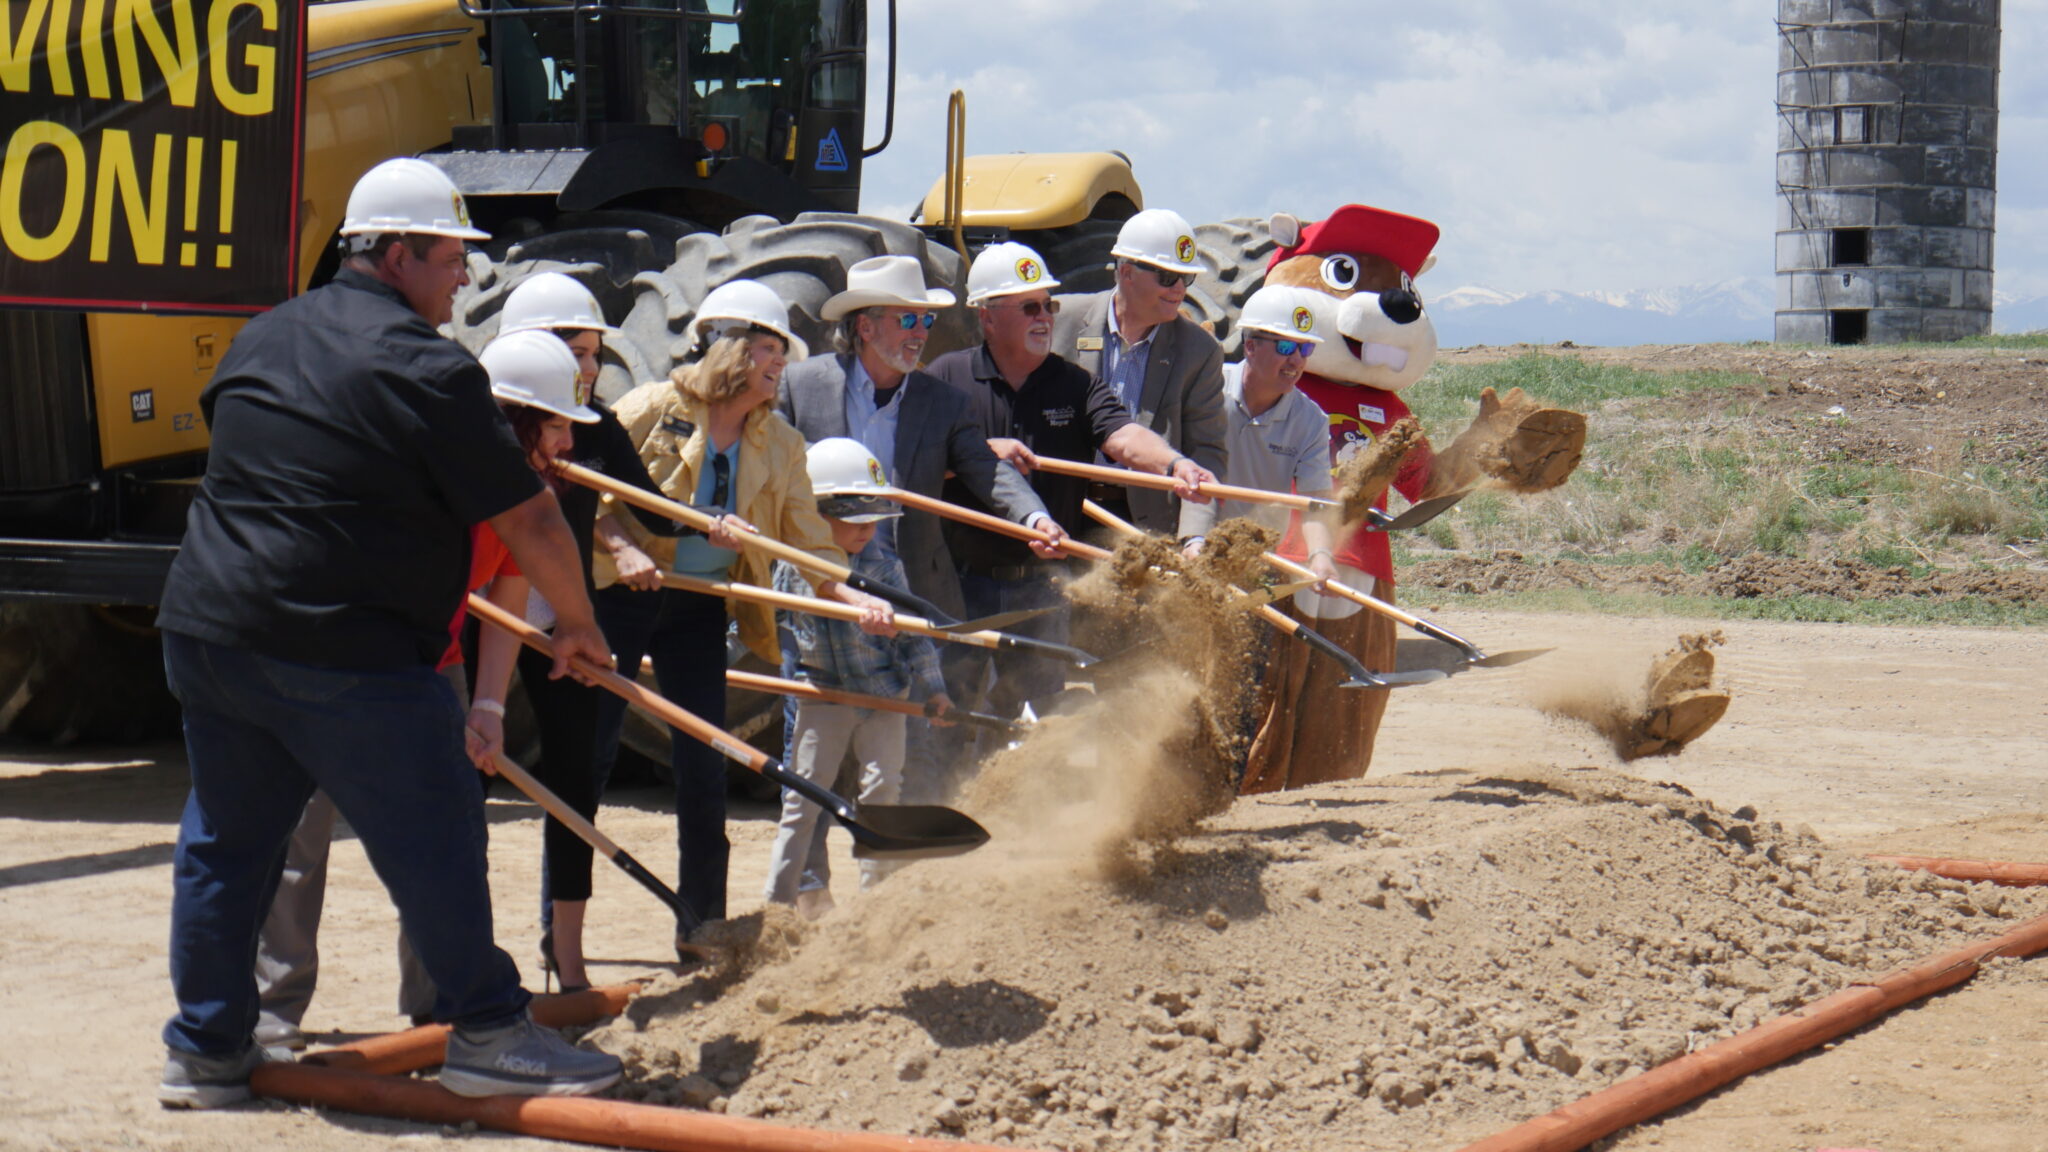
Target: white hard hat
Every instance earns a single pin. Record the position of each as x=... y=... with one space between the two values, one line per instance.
x=746 y=304
x=1006 y=269
x=1159 y=238
x=1285 y=311
x=848 y=481
x=409 y=196
x=535 y=370
x=551 y=300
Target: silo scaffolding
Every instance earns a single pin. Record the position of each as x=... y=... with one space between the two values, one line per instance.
x=1887 y=169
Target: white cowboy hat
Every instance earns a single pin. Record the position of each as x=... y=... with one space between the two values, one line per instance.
x=884 y=282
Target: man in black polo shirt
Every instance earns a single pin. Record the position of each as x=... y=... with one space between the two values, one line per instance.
x=1028 y=401
x=324 y=558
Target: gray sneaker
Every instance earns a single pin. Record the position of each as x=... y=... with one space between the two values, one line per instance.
x=278 y=1034
x=524 y=1059
x=191 y=1081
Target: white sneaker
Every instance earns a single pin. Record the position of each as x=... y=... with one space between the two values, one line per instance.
x=193 y=1081
x=524 y=1059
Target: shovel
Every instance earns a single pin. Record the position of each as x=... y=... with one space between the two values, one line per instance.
x=1473 y=657
x=807 y=691
x=880 y=831
x=702 y=521
x=996 y=524
x=686 y=917
x=1357 y=675
x=832 y=609
x=1376 y=520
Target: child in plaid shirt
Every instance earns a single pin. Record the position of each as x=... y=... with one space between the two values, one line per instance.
x=838 y=654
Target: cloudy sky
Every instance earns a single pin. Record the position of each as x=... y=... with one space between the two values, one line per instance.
x=1575 y=144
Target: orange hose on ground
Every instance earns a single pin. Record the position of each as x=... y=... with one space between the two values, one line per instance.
x=585 y=1120
x=1996 y=871
x=396 y=1053
x=1667 y=1086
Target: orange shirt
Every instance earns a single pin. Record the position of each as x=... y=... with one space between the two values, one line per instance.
x=488 y=560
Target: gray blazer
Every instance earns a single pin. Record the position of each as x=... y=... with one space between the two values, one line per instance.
x=1182 y=399
x=935 y=435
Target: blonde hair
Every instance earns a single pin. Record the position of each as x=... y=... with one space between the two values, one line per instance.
x=722 y=373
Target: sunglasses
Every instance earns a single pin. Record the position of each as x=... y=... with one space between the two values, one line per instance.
x=1169 y=279
x=1035 y=307
x=1290 y=347
x=909 y=320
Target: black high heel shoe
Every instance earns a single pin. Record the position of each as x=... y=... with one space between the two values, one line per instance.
x=549 y=967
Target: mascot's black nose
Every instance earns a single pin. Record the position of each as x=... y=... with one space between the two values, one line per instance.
x=1401 y=306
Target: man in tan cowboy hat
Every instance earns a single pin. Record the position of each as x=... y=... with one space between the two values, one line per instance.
x=873 y=391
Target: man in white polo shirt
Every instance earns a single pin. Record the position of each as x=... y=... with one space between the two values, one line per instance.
x=1277 y=439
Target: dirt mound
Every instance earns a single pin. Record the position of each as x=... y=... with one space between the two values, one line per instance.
x=1373 y=966
x=1669 y=707
x=1754 y=576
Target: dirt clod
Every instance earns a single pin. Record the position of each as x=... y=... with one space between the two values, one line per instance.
x=1671 y=706
x=1363 y=478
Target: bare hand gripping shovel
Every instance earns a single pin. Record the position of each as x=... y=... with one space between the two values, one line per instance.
x=880 y=831
x=702 y=521
x=1357 y=675
x=1474 y=658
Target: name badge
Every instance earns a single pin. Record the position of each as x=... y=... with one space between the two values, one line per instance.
x=1372 y=415
x=1088 y=344
x=678 y=428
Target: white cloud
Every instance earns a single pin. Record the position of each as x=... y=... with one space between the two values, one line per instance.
x=1585 y=145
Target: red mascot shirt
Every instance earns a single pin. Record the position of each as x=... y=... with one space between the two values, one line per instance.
x=1358 y=416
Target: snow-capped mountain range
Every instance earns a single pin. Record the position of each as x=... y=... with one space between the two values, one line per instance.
x=1728 y=311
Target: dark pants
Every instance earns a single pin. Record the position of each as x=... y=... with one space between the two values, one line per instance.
x=1001 y=681
x=261 y=735
x=685 y=634
x=566 y=714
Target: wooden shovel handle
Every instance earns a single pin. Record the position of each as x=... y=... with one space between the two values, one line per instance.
x=1344 y=591
x=683 y=513
x=670 y=713
x=554 y=805
x=996 y=524
x=1132 y=479
x=799 y=688
x=830 y=609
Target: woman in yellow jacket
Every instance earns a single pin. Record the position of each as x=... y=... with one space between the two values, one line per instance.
x=711 y=438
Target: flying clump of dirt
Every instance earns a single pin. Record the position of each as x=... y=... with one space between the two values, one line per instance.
x=1674 y=704
x=1363 y=479
x=1515 y=443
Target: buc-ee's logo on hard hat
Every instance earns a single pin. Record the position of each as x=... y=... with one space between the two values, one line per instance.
x=1304 y=320
x=461 y=209
x=1027 y=270
x=875 y=473
x=1184 y=249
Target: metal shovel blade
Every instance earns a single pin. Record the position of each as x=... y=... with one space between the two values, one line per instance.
x=913 y=832
x=1392 y=679
x=1506 y=659
x=1071 y=655
x=1416 y=516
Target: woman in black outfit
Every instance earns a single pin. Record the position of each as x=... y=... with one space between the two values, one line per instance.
x=566 y=712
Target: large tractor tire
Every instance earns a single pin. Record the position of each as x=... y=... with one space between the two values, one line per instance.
x=75 y=673
x=1233 y=255
x=1078 y=255
x=651 y=272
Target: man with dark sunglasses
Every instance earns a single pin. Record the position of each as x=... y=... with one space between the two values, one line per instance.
x=1029 y=402
x=1165 y=367
x=921 y=430
x=1279 y=439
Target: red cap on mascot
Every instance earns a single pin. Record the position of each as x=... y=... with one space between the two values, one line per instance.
x=1405 y=240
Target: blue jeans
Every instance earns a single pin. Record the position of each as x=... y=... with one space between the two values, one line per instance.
x=262 y=734
x=685 y=633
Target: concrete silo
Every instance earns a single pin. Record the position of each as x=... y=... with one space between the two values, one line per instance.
x=1887 y=166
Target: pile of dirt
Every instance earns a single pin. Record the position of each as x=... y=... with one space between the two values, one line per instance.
x=1374 y=965
x=1658 y=714
x=1752 y=576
